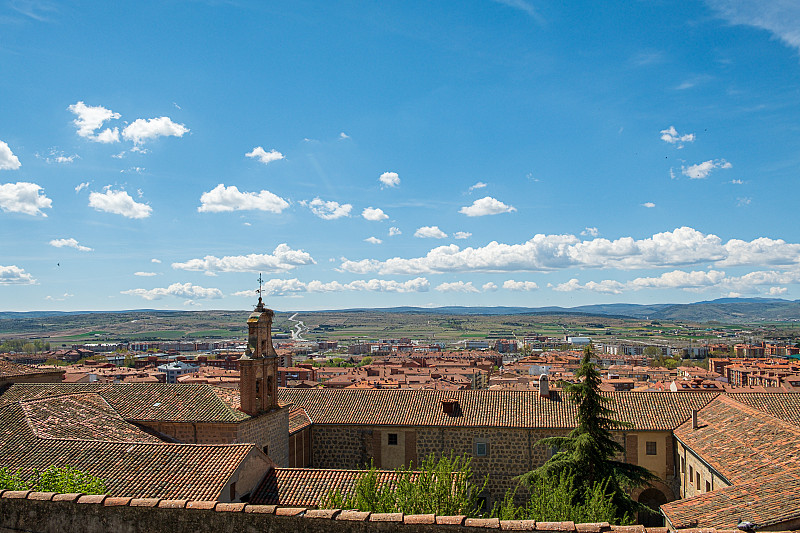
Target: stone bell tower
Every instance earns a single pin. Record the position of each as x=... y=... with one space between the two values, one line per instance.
x=258 y=367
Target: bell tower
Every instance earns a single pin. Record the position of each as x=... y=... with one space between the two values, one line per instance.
x=258 y=367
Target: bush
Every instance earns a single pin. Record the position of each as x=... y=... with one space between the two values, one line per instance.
x=66 y=479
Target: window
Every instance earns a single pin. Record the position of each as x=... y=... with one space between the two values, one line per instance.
x=651 y=448
x=481 y=449
x=691 y=473
x=392 y=439
x=698 y=481
x=708 y=486
x=266 y=449
x=683 y=465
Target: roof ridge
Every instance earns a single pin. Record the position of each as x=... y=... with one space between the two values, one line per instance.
x=758 y=412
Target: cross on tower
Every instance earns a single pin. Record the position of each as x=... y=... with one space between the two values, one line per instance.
x=260 y=283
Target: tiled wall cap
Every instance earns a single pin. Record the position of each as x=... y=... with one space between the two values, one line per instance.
x=16 y=494
x=454 y=520
x=290 y=511
x=660 y=530
x=386 y=517
x=224 y=507
x=145 y=502
x=67 y=497
x=354 y=516
x=172 y=504
x=327 y=514
x=117 y=501
x=491 y=523
x=41 y=496
x=419 y=519
x=92 y=498
x=556 y=526
x=593 y=527
x=628 y=529
x=200 y=504
x=260 y=509
x=518 y=525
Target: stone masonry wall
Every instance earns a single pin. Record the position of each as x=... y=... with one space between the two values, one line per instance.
x=270 y=430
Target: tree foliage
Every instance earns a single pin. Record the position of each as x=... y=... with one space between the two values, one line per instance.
x=587 y=454
x=54 y=479
x=440 y=486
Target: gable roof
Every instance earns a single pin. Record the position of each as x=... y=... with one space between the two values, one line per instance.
x=142 y=401
x=486 y=408
x=783 y=405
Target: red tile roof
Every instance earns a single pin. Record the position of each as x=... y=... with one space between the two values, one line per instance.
x=785 y=406
x=9 y=369
x=298 y=420
x=485 y=408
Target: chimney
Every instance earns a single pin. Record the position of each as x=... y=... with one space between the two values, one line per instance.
x=544 y=386
x=694 y=419
x=449 y=406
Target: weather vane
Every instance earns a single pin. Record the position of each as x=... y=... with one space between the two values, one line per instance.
x=260 y=282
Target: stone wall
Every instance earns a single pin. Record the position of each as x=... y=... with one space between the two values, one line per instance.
x=43 y=512
x=270 y=432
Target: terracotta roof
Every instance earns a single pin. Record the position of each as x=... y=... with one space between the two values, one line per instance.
x=741 y=442
x=766 y=503
x=142 y=401
x=305 y=487
x=9 y=369
x=298 y=420
x=785 y=406
x=485 y=408
x=136 y=469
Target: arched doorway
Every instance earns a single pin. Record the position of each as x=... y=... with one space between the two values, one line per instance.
x=653 y=498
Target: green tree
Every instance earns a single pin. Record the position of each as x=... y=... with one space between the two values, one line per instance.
x=130 y=360
x=54 y=479
x=587 y=452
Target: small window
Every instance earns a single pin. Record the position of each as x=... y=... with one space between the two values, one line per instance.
x=698 y=481
x=683 y=465
x=708 y=486
x=691 y=473
x=651 y=448
x=266 y=449
x=481 y=449
x=392 y=439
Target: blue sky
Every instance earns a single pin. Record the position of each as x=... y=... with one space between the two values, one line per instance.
x=376 y=154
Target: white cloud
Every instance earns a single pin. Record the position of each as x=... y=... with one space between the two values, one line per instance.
x=737 y=182
x=154 y=260
x=343 y=135
x=394 y=231
x=682 y=246
x=457 y=286
x=374 y=214
x=8 y=161
x=81 y=186
x=489 y=287
x=671 y=136
x=511 y=285
x=743 y=201
x=13 y=275
x=780 y=18
x=373 y=240
x=462 y=235
x=145 y=274
x=119 y=203
x=648 y=205
x=280 y=287
x=606 y=286
x=182 y=290
x=91 y=118
x=23 y=197
x=478 y=185
x=141 y=130
x=430 y=232
x=590 y=232
x=221 y=199
x=328 y=210
x=389 y=179
x=702 y=170
x=486 y=206
x=678 y=279
x=69 y=243
x=264 y=156
x=777 y=291
x=282 y=259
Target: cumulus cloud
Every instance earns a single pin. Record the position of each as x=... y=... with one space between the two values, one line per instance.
x=373 y=240
x=374 y=214
x=282 y=287
x=69 y=243
x=486 y=206
x=457 y=286
x=141 y=130
x=511 y=285
x=328 y=210
x=462 y=235
x=154 y=260
x=23 y=197
x=282 y=259
x=91 y=118
x=221 y=199
x=264 y=156
x=682 y=246
x=489 y=287
x=181 y=290
x=671 y=136
x=478 y=185
x=13 y=275
x=8 y=161
x=777 y=291
x=648 y=205
x=430 y=232
x=145 y=274
x=119 y=203
x=394 y=231
x=590 y=232
x=702 y=170
x=343 y=136
x=389 y=179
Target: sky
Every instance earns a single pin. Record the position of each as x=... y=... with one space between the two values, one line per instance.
x=163 y=155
